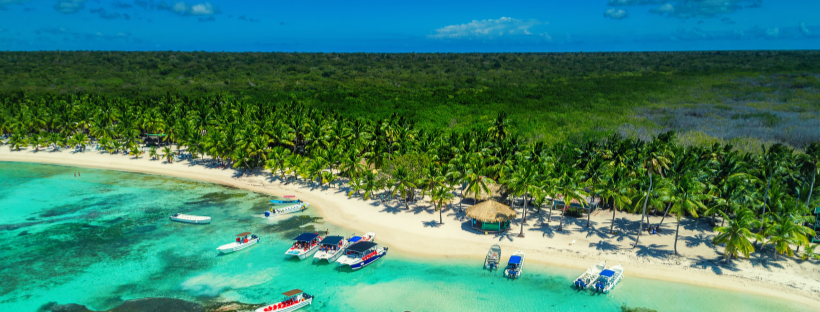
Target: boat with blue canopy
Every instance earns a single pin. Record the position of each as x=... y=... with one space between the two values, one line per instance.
x=608 y=278
x=285 y=201
x=515 y=266
x=361 y=254
x=304 y=245
x=589 y=276
x=331 y=248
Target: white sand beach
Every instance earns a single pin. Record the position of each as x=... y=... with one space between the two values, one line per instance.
x=417 y=233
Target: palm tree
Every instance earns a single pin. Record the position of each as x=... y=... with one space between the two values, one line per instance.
x=37 y=141
x=569 y=185
x=771 y=163
x=738 y=235
x=784 y=233
x=809 y=163
x=168 y=154
x=441 y=196
x=16 y=141
x=655 y=161
x=153 y=152
x=810 y=252
x=688 y=198
x=135 y=151
x=404 y=184
x=617 y=189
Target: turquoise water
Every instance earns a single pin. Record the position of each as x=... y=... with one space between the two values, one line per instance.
x=105 y=237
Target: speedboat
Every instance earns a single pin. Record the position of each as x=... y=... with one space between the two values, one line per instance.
x=493 y=257
x=361 y=254
x=190 y=218
x=304 y=245
x=515 y=266
x=289 y=209
x=294 y=300
x=367 y=237
x=331 y=248
x=590 y=276
x=243 y=240
x=608 y=278
x=286 y=201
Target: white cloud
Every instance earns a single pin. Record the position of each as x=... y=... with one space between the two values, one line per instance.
x=182 y=8
x=614 y=13
x=664 y=9
x=69 y=6
x=488 y=29
x=690 y=8
x=773 y=32
x=805 y=30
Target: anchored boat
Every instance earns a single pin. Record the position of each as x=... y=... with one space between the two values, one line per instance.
x=362 y=254
x=243 y=240
x=190 y=218
x=289 y=209
x=294 y=300
x=286 y=201
x=331 y=248
x=590 y=276
x=304 y=245
x=367 y=237
x=609 y=278
x=493 y=258
x=515 y=266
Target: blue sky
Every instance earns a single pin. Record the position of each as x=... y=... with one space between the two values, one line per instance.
x=407 y=26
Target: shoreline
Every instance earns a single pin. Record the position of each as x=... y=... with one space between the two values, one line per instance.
x=409 y=232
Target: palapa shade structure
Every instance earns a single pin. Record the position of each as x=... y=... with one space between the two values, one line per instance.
x=491 y=216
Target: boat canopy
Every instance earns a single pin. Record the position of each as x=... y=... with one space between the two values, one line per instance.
x=515 y=259
x=361 y=246
x=244 y=234
x=332 y=240
x=292 y=292
x=306 y=237
x=354 y=239
x=287 y=201
x=607 y=273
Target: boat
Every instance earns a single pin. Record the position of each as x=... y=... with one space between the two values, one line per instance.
x=286 y=201
x=294 y=300
x=608 y=278
x=331 y=248
x=590 y=276
x=301 y=206
x=493 y=257
x=190 y=218
x=304 y=245
x=515 y=266
x=367 y=237
x=243 y=240
x=361 y=254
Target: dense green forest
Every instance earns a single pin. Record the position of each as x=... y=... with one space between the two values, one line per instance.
x=539 y=126
x=549 y=96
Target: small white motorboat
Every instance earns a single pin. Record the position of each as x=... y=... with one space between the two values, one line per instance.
x=294 y=300
x=367 y=237
x=304 y=245
x=361 y=254
x=301 y=206
x=608 y=278
x=590 y=276
x=243 y=240
x=190 y=218
x=515 y=266
x=331 y=248
x=493 y=259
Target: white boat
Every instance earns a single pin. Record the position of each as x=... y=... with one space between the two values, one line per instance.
x=515 y=266
x=361 y=254
x=304 y=245
x=608 y=278
x=590 y=276
x=243 y=240
x=331 y=248
x=493 y=259
x=294 y=300
x=289 y=209
x=190 y=218
x=367 y=237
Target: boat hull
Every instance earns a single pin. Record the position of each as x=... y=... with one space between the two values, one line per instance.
x=289 y=308
x=300 y=253
x=325 y=256
x=234 y=247
x=359 y=263
x=205 y=221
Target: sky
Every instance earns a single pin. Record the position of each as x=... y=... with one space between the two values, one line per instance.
x=410 y=26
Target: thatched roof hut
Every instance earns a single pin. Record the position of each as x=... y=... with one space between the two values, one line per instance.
x=491 y=211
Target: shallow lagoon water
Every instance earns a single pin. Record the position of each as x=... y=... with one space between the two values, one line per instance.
x=104 y=237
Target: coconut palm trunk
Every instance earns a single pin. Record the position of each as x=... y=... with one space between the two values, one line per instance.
x=612 y=225
x=676 y=237
x=524 y=218
x=765 y=201
x=645 y=202
x=665 y=213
